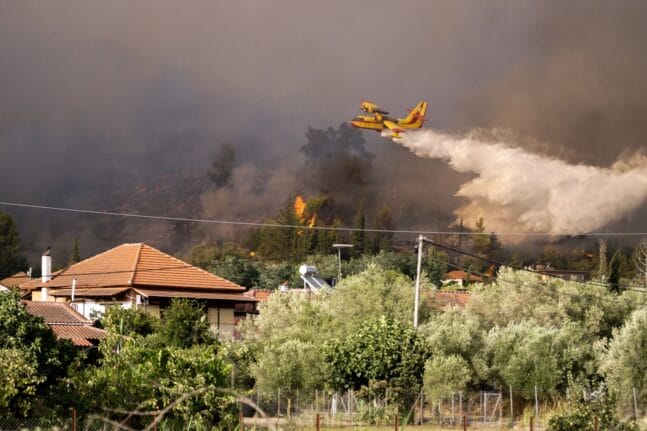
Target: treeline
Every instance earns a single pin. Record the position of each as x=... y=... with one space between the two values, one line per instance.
x=577 y=345
x=145 y=364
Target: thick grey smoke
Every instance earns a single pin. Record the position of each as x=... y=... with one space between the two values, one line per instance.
x=516 y=190
x=123 y=105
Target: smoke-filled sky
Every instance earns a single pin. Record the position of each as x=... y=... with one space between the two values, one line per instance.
x=98 y=97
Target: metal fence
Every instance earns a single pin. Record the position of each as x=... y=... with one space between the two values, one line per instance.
x=485 y=410
x=477 y=410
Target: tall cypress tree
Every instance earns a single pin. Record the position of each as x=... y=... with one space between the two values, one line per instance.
x=75 y=256
x=11 y=261
x=359 y=235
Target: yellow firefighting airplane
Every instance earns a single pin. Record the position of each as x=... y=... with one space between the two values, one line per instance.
x=380 y=119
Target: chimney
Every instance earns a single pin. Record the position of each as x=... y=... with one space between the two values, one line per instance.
x=46 y=266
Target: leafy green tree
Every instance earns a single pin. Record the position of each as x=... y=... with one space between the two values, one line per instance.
x=374 y=292
x=19 y=382
x=184 y=324
x=457 y=333
x=404 y=263
x=288 y=367
x=271 y=275
x=135 y=374
x=239 y=270
x=582 y=414
x=445 y=375
x=380 y=349
x=525 y=356
x=203 y=255
x=287 y=335
x=128 y=321
x=435 y=266
x=11 y=261
x=625 y=361
x=44 y=360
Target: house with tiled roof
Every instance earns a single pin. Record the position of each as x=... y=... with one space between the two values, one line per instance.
x=140 y=276
x=67 y=323
x=442 y=299
x=14 y=281
x=461 y=278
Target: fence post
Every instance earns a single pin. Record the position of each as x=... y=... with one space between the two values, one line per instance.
x=531 y=423
x=396 y=420
x=536 y=406
x=500 y=406
x=511 y=407
x=464 y=422
x=597 y=424
x=278 y=402
x=422 y=407
x=241 y=426
x=73 y=419
x=460 y=403
x=318 y=425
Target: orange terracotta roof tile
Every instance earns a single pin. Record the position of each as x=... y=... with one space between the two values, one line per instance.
x=462 y=275
x=15 y=280
x=443 y=299
x=80 y=335
x=261 y=294
x=135 y=265
x=155 y=268
x=56 y=313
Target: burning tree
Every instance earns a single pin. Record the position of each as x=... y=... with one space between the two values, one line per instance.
x=297 y=234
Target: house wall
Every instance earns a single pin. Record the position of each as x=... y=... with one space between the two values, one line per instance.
x=221 y=320
x=153 y=310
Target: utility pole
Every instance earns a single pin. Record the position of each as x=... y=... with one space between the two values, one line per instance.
x=339 y=247
x=421 y=239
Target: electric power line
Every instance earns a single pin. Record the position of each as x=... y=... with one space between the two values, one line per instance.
x=329 y=228
x=519 y=268
x=541 y=288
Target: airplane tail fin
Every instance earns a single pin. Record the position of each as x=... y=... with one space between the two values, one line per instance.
x=416 y=115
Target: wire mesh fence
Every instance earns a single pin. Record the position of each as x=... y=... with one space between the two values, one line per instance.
x=484 y=410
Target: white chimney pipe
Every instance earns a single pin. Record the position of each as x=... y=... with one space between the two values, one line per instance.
x=46 y=268
x=73 y=289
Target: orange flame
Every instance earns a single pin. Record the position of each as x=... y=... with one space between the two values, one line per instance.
x=299 y=207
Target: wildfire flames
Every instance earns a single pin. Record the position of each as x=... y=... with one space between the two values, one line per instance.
x=299 y=210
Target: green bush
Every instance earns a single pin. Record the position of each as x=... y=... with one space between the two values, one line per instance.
x=583 y=414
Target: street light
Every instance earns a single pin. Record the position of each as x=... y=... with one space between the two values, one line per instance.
x=339 y=247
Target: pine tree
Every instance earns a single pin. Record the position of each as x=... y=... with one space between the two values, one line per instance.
x=359 y=234
x=11 y=261
x=382 y=240
x=75 y=256
x=614 y=273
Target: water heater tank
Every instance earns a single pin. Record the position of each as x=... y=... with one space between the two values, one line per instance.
x=307 y=269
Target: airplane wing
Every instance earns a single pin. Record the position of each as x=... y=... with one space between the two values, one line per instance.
x=371 y=108
x=394 y=128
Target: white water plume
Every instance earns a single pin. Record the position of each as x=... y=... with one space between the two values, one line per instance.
x=518 y=191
